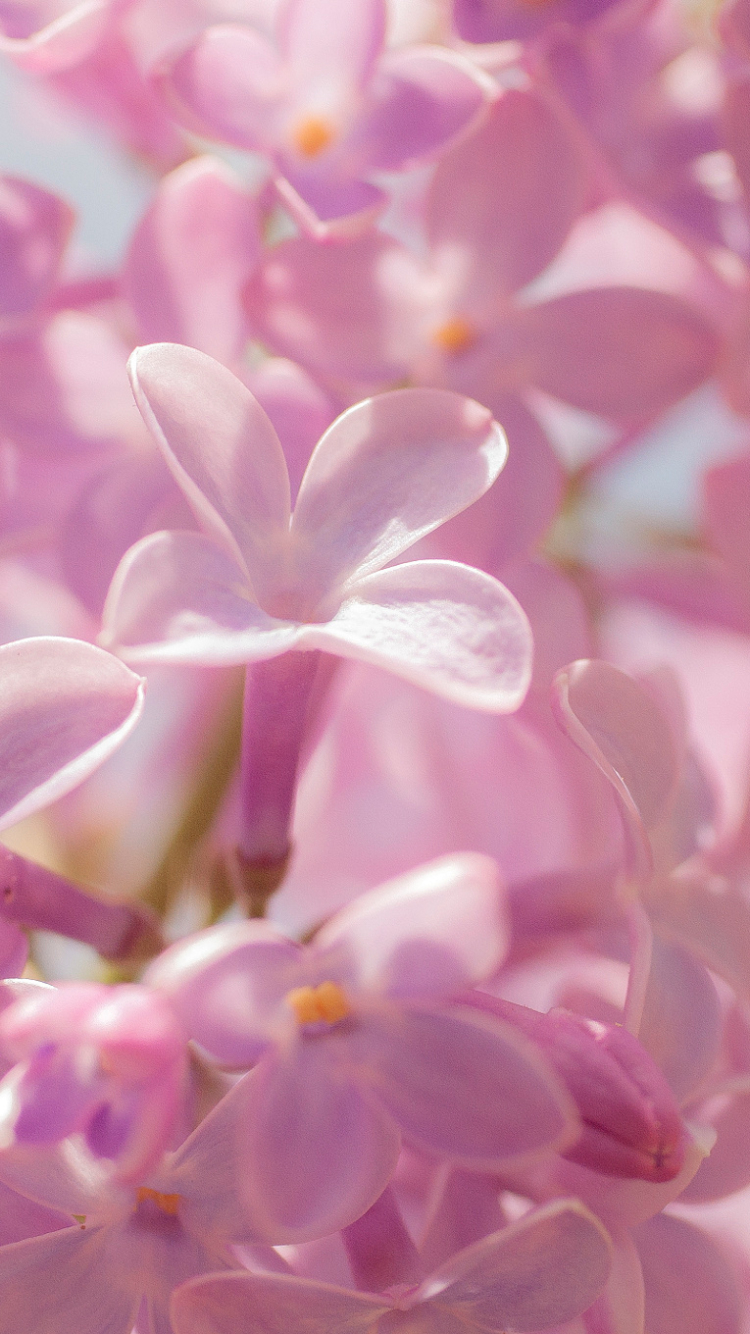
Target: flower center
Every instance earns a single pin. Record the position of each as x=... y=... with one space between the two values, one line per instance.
x=455 y=335
x=311 y=135
x=167 y=1203
x=326 y=1004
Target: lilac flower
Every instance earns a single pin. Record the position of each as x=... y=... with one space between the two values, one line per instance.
x=261 y=582
x=541 y=1271
x=356 y=1036
x=130 y=1244
x=329 y=107
x=107 y=1063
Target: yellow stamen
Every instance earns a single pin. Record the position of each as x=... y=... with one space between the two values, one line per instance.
x=167 y=1203
x=311 y=135
x=326 y=1003
x=455 y=335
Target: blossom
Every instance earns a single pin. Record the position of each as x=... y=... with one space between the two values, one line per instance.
x=361 y=1033
x=540 y=1271
x=257 y=583
x=108 y=1063
x=329 y=107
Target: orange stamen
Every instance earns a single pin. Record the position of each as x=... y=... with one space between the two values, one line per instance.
x=455 y=335
x=311 y=135
x=326 y=1003
x=167 y=1203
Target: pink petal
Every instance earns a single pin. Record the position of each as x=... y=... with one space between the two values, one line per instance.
x=277 y=1303
x=513 y=515
x=690 y=1285
x=727 y=1167
x=621 y=352
x=681 y=1024
x=228 y=84
x=189 y=258
x=420 y=101
x=318 y=1152
x=330 y=47
x=221 y=448
x=461 y=1085
x=60 y=43
x=546 y=1268
x=72 y=1282
x=298 y=409
x=178 y=597
x=431 y=932
x=443 y=626
x=227 y=984
x=710 y=918
x=387 y=472
x=328 y=207
x=349 y=311
x=726 y=504
x=502 y=202
x=65 y=706
x=621 y=728
x=64 y=386
x=34 y=229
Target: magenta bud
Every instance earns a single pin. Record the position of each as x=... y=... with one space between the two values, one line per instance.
x=631 y=1122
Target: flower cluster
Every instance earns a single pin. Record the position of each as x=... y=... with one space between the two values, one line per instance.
x=374 y=726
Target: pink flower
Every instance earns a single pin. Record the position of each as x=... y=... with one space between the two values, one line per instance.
x=259 y=583
x=328 y=106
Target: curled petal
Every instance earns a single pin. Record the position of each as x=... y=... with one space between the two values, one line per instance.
x=620 y=727
x=47 y=41
x=65 y=706
x=681 y=1024
x=221 y=448
x=430 y=932
x=444 y=626
x=387 y=472
x=178 y=597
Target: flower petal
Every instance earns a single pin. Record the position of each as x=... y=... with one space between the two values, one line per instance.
x=387 y=472
x=276 y=1303
x=189 y=258
x=544 y=1269
x=461 y=1084
x=65 y=706
x=178 y=597
x=420 y=101
x=330 y=47
x=69 y=1282
x=226 y=984
x=318 y=1152
x=444 y=626
x=221 y=448
x=690 y=1285
x=228 y=84
x=431 y=932
x=681 y=1024
x=621 y=352
x=34 y=230
x=501 y=202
